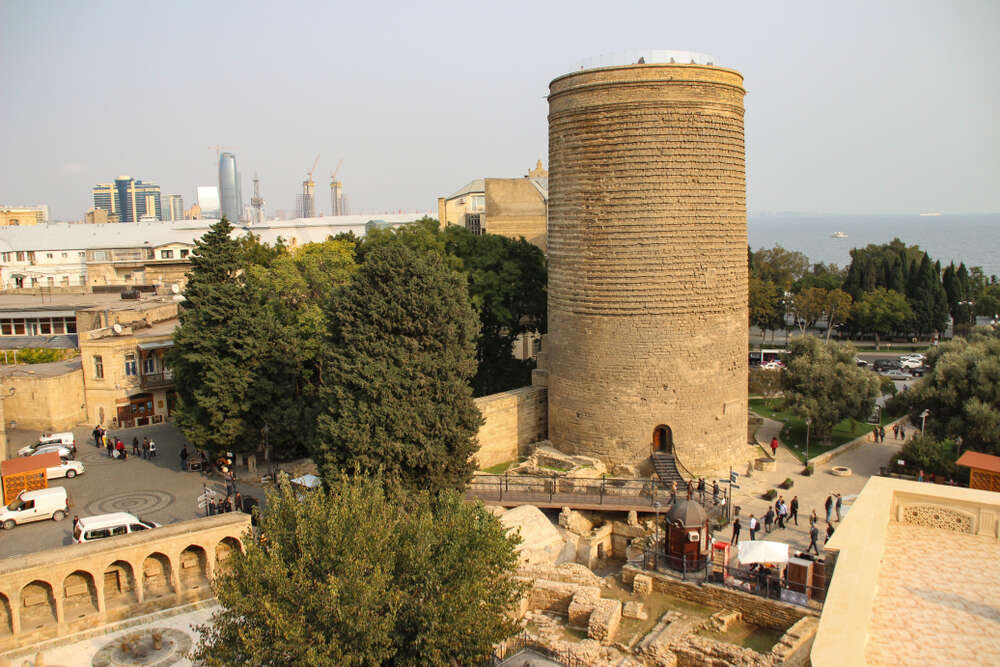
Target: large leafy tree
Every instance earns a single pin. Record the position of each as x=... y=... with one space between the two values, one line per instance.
x=507 y=287
x=962 y=391
x=809 y=305
x=289 y=381
x=361 y=576
x=824 y=384
x=881 y=311
x=837 y=309
x=927 y=298
x=216 y=347
x=766 y=308
x=779 y=266
x=400 y=357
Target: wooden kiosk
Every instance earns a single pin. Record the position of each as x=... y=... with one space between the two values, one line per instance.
x=688 y=536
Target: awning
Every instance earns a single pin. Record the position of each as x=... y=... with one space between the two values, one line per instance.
x=762 y=551
x=308 y=481
x=156 y=346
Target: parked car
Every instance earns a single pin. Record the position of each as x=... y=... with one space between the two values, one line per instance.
x=67 y=468
x=919 y=371
x=911 y=362
x=885 y=364
x=896 y=374
x=51 y=503
x=48 y=440
x=63 y=452
x=861 y=362
x=91 y=528
x=774 y=365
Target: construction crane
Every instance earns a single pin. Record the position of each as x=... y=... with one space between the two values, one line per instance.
x=306 y=202
x=310 y=172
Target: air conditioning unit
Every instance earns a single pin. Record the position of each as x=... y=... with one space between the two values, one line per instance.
x=693 y=536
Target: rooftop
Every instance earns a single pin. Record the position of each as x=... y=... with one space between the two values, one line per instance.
x=916 y=580
x=47 y=370
x=645 y=57
x=980 y=461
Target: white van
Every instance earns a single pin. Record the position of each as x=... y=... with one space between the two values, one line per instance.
x=91 y=528
x=51 y=503
x=66 y=439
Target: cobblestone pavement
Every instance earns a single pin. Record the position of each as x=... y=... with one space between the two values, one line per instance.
x=864 y=462
x=155 y=489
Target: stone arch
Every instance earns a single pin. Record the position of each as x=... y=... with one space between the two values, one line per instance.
x=79 y=595
x=224 y=550
x=156 y=576
x=38 y=606
x=6 y=620
x=119 y=585
x=663 y=439
x=193 y=567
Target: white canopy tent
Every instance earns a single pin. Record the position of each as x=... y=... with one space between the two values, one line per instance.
x=309 y=481
x=762 y=551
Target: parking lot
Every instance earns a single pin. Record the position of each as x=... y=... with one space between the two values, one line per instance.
x=156 y=489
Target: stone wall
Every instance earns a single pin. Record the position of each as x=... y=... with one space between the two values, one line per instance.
x=69 y=589
x=513 y=420
x=647 y=264
x=515 y=209
x=45 y=403
x=755 y=609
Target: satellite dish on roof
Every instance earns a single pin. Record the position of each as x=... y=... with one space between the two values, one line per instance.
x=117 y=328
x=175 y=288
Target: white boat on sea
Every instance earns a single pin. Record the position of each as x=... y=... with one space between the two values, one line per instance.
x=838 y=235
x=930 y=215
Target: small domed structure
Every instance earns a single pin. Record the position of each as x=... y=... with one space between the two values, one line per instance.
x=687 y=536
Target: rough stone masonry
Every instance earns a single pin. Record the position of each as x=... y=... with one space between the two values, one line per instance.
x=647 y=342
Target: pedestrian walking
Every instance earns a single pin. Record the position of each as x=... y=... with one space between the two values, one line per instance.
x=135 y=446
x=881 y=433
x=780 y=512
x=829 y=533
x=701 y=489
x=737 y=527
x=813 y=519
x=96 y=433
x=794 y=509
x=108 y=446
x=769 y=520
x=838 y=504
x=184 y=457
x=145 y=448
x=715 y=492
x=120 y=448
x=753 y=527
x=774 y=447
x=76 y=520
x=895 y=431
x=829 y=507
x=238 y=502
x=152 y=449
x=813 y=536
x=902 y=432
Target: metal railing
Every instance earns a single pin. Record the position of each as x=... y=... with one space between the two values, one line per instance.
x=524 y=641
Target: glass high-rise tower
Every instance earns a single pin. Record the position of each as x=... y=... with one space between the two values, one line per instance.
x=128 y=200
x=230 y=199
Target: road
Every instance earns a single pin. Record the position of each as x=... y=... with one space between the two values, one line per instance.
x=154 y=489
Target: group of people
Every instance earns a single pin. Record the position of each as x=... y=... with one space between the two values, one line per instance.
x=779 y=513
x=116 y=448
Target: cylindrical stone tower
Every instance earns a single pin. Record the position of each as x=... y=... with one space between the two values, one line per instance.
x=647 y=242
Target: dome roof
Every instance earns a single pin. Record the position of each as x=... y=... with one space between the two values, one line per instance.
x=687 y=513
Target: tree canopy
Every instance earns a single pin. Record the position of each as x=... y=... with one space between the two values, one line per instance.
x=962 y=391
x=881 y=311
x=360 y=575
x=824 y=384
x=397 y=397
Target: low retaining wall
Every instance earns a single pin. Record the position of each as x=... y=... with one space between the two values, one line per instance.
x=755 y=609
x=512 y=421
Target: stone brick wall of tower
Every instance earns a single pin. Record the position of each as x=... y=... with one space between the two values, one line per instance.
x=648 y=263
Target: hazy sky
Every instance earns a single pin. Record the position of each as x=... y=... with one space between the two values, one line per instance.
x=857 y=107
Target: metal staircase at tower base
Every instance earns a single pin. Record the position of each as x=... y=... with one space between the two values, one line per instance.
x=666 y=469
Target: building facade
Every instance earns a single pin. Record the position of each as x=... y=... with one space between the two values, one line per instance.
x=18 y=216
x=230 y=199
x=647 y=288
x=128 y=200
x=174 y=210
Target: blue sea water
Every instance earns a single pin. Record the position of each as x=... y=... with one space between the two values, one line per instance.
x=973 y=239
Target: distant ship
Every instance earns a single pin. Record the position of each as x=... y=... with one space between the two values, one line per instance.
x=838 y=235
x=929 y=215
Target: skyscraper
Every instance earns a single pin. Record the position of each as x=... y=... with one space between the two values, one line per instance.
x=229 y=188
x=174 y=210
x=128 y=200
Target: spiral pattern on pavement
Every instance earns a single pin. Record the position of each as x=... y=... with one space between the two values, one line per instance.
x=135 y=502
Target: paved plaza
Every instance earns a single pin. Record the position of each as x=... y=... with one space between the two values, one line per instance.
x=155 y=489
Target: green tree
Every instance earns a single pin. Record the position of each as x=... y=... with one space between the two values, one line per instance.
x=824 y=384
x=962 y=392
x=779 y=266
x=215 y=347
x=253 y=252
x=927 y=298
x=766 y=382
x=361 y=576
x=765 y=306
x=507 y=287
x=288 y=385
x=837 y=309
x=881 y=311
x=809 y=305
x=400 y=356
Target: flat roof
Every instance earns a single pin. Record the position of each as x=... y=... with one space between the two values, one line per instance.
x=24 y=464
x=50 y=369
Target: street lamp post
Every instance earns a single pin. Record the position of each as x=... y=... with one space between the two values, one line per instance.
x=656 y=544
x=808 y=423
x=923 y=420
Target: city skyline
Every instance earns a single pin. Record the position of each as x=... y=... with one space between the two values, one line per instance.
x=857 y=108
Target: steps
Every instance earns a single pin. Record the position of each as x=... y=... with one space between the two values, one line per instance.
x=666 y=470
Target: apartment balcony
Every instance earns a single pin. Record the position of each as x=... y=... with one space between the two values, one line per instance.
x=157 y=380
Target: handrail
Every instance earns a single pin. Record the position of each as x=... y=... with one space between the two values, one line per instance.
x=681 y=466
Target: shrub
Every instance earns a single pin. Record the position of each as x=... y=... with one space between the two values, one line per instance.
x=788 y=483
x=925 y=453
x=771 y=494
x=808 y=471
